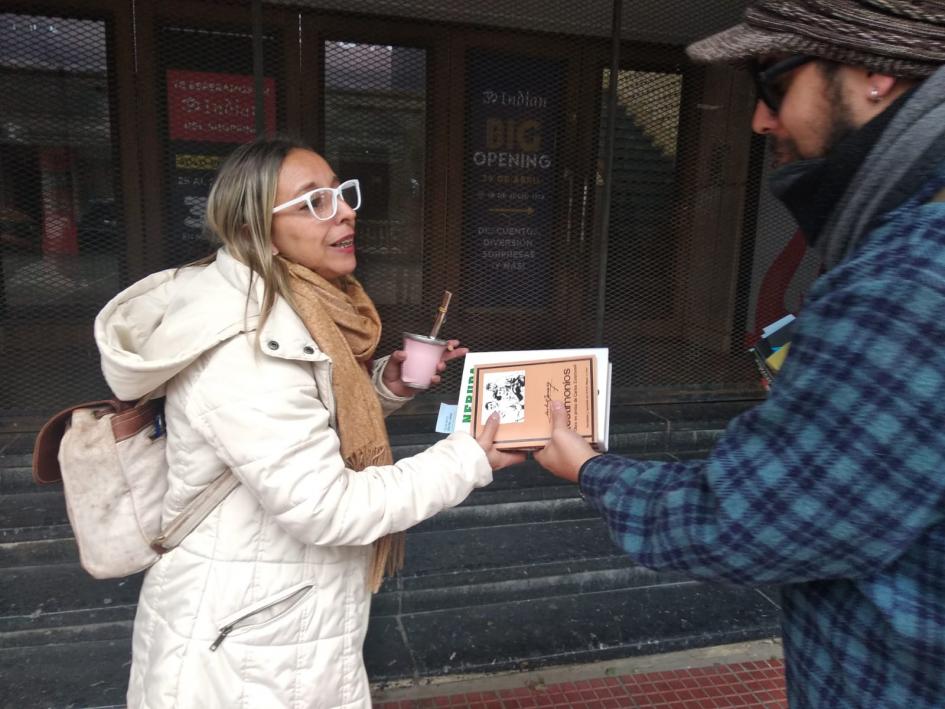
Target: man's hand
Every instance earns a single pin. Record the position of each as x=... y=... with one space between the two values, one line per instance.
x=497 y=459
x=566 y=452
x=391 y=375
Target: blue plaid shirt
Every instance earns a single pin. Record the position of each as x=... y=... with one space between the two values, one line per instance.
x=834 y=487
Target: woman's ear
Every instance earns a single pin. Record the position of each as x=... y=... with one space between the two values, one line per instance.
x=275 y=250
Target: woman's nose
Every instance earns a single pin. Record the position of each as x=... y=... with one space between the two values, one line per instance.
x=764 y=120
x=344 y=211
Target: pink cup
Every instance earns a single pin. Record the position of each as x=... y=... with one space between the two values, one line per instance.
x=423 y=354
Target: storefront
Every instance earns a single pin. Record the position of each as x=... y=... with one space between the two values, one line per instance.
x=487 y=159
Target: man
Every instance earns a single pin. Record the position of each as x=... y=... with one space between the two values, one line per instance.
x=834 y=487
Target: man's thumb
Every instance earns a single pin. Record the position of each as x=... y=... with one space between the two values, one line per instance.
x=559 y=417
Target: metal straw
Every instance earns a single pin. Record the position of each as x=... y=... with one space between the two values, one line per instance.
x=440 y=314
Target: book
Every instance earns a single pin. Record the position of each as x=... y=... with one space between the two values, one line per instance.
x=780 y=331
x=521 y=384
x=772 y=348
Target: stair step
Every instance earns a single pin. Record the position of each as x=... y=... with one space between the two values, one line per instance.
x=38 y=552
x=16 y=478
x=32 y=509
x=530 y=583
x=19 y=459
x=16 y=437
x=530 y=633
x=471 y=516
x=505 y=546
x=87 y=630
x=81 y=674
x=28 y=534
x=43 y=628
x=30 y=591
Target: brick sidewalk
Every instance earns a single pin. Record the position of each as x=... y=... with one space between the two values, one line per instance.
x=757 y=683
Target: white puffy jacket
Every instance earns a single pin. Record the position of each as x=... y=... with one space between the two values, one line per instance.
x=265 y=604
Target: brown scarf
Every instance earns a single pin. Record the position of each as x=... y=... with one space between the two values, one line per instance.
x=344 y=322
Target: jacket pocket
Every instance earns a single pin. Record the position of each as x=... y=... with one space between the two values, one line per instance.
x=264 y=611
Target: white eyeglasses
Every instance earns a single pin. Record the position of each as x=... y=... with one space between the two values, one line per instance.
x=323 y=201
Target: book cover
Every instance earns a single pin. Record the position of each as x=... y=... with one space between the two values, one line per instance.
x=522 y=393
x=601 y=376
x=772 y=348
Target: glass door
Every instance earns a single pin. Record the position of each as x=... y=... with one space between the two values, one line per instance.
x=64 y=240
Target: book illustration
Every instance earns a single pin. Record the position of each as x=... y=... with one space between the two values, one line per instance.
x=504 y=392
x=522 y=394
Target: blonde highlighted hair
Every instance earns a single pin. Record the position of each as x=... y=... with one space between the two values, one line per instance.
x=239 y=213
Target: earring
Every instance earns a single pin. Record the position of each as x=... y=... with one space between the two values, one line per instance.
x=874 y=95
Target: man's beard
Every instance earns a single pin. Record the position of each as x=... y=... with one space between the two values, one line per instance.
x=841 y=123
x=785 y=150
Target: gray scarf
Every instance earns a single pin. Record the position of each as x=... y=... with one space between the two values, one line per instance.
x=909 y=152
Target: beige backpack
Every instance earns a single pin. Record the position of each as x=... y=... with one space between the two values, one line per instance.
x=110 y=458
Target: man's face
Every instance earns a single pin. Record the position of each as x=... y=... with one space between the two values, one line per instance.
x=813 y=113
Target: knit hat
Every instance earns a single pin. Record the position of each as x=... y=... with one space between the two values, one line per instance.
x=904 y=38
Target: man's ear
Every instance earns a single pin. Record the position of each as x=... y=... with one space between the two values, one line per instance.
x=870 y=93
x=881 y=87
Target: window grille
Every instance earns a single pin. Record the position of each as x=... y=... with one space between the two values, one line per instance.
x=479 y=133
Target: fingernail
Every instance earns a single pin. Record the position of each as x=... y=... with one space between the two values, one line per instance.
x=557 y=405
x=494 y=415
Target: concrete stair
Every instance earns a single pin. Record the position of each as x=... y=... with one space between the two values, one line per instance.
x=522 y=574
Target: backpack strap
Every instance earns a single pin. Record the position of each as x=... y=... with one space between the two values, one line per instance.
x=196 y=512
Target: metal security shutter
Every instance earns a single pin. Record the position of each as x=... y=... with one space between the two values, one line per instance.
x=495 y=158
x=62 y=251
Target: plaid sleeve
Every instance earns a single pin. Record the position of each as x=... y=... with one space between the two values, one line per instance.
x=838 y=472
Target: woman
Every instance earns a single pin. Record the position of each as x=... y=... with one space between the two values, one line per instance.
x=262 y=354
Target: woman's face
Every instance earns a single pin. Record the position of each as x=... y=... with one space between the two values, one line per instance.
x=325 y=247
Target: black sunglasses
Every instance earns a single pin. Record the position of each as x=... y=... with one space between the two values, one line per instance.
x=766 y=79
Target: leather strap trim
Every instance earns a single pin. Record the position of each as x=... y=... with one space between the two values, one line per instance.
x=129 y=422
x=46 y=469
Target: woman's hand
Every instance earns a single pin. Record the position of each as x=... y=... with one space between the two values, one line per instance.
x=497 y=459
x=391 y=374
x=566 y=452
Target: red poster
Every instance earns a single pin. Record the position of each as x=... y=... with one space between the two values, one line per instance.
x=219 y=108
x=59 y=227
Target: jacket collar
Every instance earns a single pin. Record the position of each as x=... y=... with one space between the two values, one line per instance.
x=284 y=335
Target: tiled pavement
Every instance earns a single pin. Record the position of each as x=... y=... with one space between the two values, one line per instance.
x=747 y=683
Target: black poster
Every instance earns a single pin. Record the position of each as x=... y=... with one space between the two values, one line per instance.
x=191 y=176
x=514 y=108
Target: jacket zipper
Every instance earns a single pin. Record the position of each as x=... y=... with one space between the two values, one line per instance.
x=331 y=397
x=229 y=626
